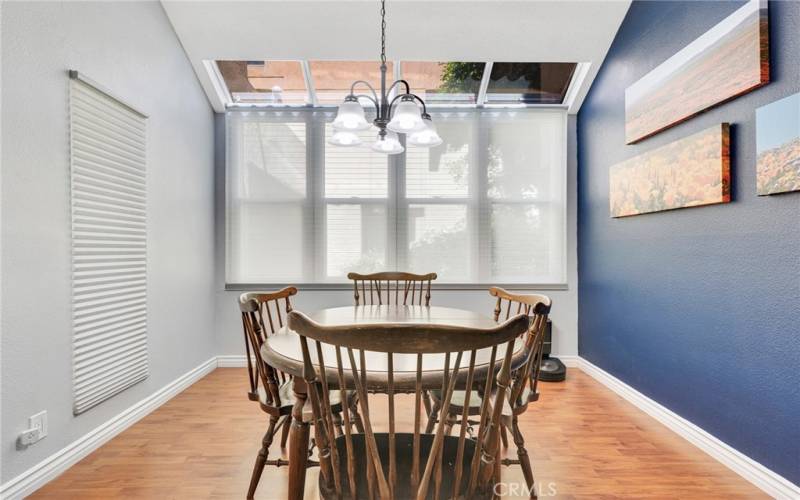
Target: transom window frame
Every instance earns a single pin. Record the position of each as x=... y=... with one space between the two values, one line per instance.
x=397 y=203
x=225 y=98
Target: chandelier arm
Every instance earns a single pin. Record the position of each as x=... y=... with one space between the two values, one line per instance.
x=365 y=96
x=371 y=89
x=408 y=87
x=418 y=98
x=414 y=96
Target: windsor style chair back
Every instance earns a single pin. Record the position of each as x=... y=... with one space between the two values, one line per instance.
x=392 y=288
x=524 y=379
x=263 y=314
x=537 y=307
x=409 y=464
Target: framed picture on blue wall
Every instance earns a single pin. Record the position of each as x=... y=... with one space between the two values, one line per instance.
x=728 y=60
x=778 y=146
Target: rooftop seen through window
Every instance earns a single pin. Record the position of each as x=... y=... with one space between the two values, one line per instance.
x=459 y=83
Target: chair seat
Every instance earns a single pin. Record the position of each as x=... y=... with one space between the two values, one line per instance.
x=475 y=401
x=287 y=401
x=404 y=443
x=457 y=401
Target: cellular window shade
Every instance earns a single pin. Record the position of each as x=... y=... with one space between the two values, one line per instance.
x=356 y=211
x=109 y=245
x=485 y=207
x=269 y=206
x=523 y=219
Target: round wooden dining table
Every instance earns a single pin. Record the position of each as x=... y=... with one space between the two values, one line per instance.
x=283 y=351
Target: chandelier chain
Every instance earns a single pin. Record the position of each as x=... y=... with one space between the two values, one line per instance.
x=383 y=31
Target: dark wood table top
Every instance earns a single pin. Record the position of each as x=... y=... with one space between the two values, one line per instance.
x=282 y=350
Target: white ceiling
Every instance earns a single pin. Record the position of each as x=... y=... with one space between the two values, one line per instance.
x=441 y=30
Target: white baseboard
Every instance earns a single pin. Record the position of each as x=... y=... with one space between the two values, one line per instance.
x=763 y=478
x=38 y=475
x=569 y=360
x=232 y=361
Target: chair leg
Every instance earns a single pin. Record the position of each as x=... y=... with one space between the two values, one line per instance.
x=337 y=423
x=432 y=417
x=261 y=459
x=522 y=453
x=497 y=476
x=426 y=401
x=503 y=435
x=355 y=419
x=285 y=431
x=449 y=422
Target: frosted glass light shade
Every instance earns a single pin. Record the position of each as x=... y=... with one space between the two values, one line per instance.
x=406 y=118
x=350 y=117
x=388 y=144
x=427 y=137
x=344 y=138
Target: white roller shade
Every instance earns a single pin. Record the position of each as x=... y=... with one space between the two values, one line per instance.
x=109 y=245
x=487 y=206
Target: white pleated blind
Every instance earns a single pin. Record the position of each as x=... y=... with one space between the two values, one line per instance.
x=109 y=245
x=485 y=207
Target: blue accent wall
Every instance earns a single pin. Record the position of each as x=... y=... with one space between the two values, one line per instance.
x=697 y=308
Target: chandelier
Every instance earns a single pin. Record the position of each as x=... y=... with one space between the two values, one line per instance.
x=401 y=115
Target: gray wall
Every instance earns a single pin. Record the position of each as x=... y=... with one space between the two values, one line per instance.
x=565 y=302
x=696 y=308
x=131 y=48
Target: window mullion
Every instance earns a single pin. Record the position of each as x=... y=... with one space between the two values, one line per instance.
x=315 y=161
x=487 y=73
x=483 y=209
x=395 y=238
x=311 y=91
x=400 y=225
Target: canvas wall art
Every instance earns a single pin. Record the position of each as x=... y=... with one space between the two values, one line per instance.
x=728 y=60
x=688 y=172
x=778 y=146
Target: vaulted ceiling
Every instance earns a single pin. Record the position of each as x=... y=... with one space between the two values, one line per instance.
x=502 y=31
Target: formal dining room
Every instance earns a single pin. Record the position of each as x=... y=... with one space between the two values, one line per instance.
x=400 y=249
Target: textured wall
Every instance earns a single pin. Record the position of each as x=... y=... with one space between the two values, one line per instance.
x=130 y=48
x=696 y=308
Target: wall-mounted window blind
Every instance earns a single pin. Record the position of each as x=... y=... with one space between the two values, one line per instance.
x=486 y=207
x=109 y=244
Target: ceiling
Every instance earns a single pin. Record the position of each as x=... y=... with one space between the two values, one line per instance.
x=443 y=30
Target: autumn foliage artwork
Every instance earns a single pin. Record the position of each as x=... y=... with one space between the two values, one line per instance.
x=689 y=172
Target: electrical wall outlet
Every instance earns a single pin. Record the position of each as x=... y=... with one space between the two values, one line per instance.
x=39 y=421
x=37 y=429
x=28 y=437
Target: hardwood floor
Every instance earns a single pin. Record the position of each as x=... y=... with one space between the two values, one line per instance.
x=585 y=441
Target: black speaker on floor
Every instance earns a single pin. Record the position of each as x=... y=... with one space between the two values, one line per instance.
x=552 y=369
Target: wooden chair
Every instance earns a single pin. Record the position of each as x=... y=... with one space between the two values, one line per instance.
x=388 y=288
x=381 y=287
x=400 y=465
x=263 y=314
x=525 y=378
